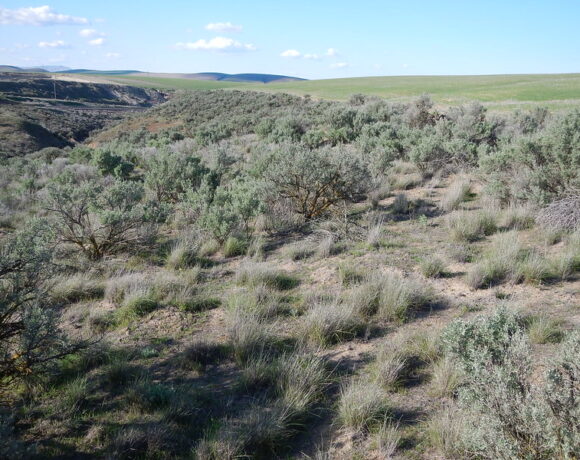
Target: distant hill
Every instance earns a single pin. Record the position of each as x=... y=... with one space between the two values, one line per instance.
x=11 y=68
x=207 y=76
x=51 y=68
x=102 y=72
x=242 y=77
x=214 y=76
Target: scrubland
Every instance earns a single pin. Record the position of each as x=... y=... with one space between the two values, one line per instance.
x=243 y=275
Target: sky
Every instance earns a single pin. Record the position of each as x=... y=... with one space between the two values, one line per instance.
x=310 y=39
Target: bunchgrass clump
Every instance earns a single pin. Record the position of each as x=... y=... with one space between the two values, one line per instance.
x=506 y=261
x=400 y=297
x=350 y=275
x=202 y=353
x=261 y=300
x=148 y=396
x=301 y=380
x=499 y=263
x=196 y=303
x=390 y=365
x=120 y=372
x=327 y=246
x=445 y=379
x=443 y=432
x=73 y=395
x=563 y=265
x=73 y=288
x=362 y=404
x=375 y=235
x=300 y=250
x=234 y=246
x=432 y=267
x=543 y=329
x=469 y=226
x=401 y=204
x=327 y=323
x=248 y=334
x=387 y=439
x=184 y=254
x=135 y=305
x=518 y=216
x=456 y=194
x=461 y=252
x=208 y=248
x=253 y=274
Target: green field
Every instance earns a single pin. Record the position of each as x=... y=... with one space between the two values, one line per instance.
x=496 y=91
x=174 y=83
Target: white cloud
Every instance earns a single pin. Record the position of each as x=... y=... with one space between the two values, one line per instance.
x=88 y=33
x=222 y=44
x=37 y=16
x=53 y=44
x=339 y=65
x=113 y=55
x=290 y=54
x=97 y=41
x=223 y=27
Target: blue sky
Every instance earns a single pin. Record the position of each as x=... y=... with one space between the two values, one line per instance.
x=311 y=39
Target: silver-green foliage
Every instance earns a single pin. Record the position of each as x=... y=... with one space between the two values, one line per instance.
x=508 y=415
x=29 y=335
x=99 y=216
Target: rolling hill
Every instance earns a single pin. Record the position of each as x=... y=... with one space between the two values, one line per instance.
x=500 y=92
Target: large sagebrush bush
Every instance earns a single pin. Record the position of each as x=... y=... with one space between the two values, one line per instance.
x=314 y=180
x=99 y=216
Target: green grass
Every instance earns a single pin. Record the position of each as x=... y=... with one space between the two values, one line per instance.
x=497 y=91
x=174 y=83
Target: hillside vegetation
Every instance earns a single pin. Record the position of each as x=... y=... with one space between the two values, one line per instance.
x=240 y=274
x=37 y=111
x=498 y=92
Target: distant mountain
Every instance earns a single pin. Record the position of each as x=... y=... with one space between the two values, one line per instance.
x=103 y=72
x=48 y=68
x=218 y=76
x=213 y=76
x=241 y=77
x=11 y=68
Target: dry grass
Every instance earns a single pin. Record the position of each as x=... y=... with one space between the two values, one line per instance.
x=499 y=263
x=234 y=247
x=443 y=432
x=468 y=226
x=362 y=404
x=542 y=329
x=456 y=194
x=300 y=250
x=401 y=297
x=445 y=379
x=254 y=273
x=401 y=204
x=184 y=253
x=518 y=216
x=387 y=440
x=390 y=365
x=73 y=288
x=260 y=300
x=433 y=267
x=327 y=323
x=248 y=334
